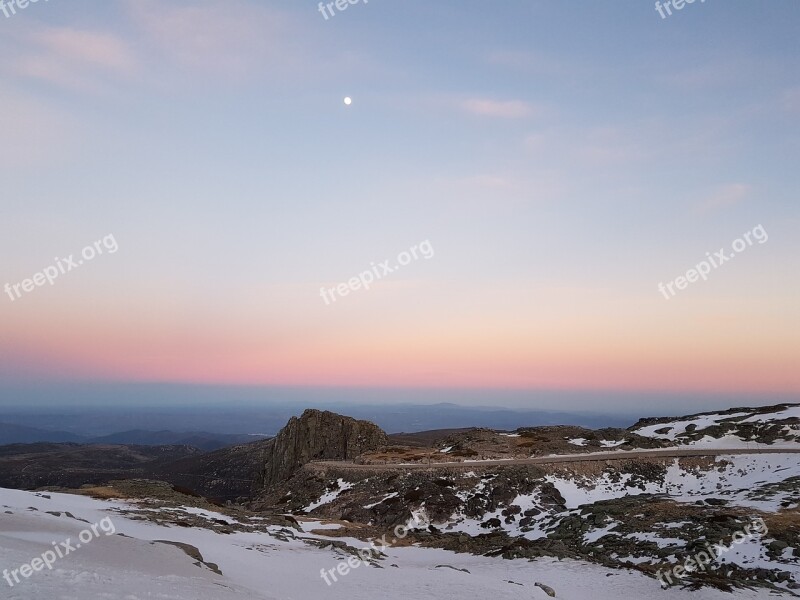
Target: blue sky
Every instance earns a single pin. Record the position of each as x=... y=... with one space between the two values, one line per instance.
x=562 y=158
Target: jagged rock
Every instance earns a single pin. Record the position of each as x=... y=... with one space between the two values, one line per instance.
x=318 y=434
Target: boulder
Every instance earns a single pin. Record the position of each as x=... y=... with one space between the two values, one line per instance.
x=547 y=589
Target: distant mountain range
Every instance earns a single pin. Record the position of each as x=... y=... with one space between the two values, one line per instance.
x=203 y=440
x=146 y=424
x=197 y=439
x=241 y=424
x=19 y=434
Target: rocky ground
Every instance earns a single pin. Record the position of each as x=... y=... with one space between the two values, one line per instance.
x=648 y=514
x=644 y=513
x=769 y=426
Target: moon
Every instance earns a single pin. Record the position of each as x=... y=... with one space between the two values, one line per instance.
x=348 y=100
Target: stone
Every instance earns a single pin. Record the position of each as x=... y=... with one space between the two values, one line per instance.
x=547 y=589
x=315 y=435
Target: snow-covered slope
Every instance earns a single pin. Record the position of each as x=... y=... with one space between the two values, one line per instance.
x=276 y=564
x=771 y=427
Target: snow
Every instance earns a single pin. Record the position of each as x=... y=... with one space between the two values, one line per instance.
x=257 y=566
x=472 y=526
x=749 y=553
x=209 y=515
x=661 y=542
x=636 y=560
x=793 y=411
x=386 y=497
x=592 y=536
x=738 y=478
x=587 y=491
x=329 y=497
x=679 y=427
x=611 y=443
x=313 y=525
x=137 y=564
x=734 y=442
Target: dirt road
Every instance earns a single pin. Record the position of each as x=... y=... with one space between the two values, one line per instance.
x=568 y=458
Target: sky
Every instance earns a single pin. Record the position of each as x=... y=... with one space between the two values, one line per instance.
x=540 y=167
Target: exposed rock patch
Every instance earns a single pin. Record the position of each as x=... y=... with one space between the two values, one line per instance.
x=318 y=435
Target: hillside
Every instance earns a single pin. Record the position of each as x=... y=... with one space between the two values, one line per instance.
x=637 y=500
x=162 y=549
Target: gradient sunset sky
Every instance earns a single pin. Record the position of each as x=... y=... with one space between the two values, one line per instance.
x=562 y=159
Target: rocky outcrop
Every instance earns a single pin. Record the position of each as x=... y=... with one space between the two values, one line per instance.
x=318 y=434
x=764 y=425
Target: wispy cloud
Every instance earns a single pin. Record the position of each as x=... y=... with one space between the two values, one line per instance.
x=33 y=132
x=99 y=49
x=722 y=197
x=162 y=45
x=502 y=188
x=610 y=146
x=715 y=69
x=483 y=181
x=234 y=39
x=599 y=147
x=506 y=109
x=632 y=144
x=69 y=57
x=528 y=62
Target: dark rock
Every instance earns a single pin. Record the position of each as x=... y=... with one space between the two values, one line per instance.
x=317 y=435
x=547 y=589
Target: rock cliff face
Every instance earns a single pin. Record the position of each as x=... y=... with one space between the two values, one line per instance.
x=318 y=434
